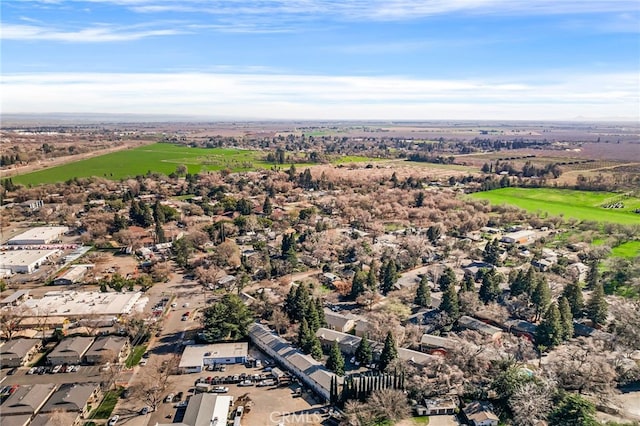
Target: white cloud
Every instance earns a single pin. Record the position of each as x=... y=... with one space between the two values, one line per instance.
x=278 y=96
x=100 y=33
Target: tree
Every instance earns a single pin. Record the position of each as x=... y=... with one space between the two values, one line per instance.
x=450 y=303
x=423 y=293
x=364 y=353
x=372 y=280
x=389 y=352
x=335 y=362
x=541 y=297
x=573 y=410
x=267 y=207
x=182 y=251
x=530 y=403
x=433 y=233
x=573 y=293
x=316 y=348
x=597 y=308
x=419 y=199
x=305 y=337
x=358 y=284
x=227 y=319
x=593 y=275
x=153 y=381
x=490 y=288
x=389 y=276
x=491 y=252
x=566 y=318
x=549 y=332
x=468 y=284
x=447 y=278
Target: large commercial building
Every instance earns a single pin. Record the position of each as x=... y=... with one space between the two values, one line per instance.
x=38 y=236
x=205 y=409
x=25 y=261
x=76 y=304
x=195 y=357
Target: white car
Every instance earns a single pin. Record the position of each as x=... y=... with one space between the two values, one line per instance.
x=220 y=389
x=142 y=362
x=32 y=370
x=169 y=398
x=113 y=420
x=56 y=369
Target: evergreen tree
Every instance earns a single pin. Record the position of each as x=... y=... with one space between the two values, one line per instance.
x=322 y=320
x=389 y=352
x=335 y=362
x=573 y=410
x=312 y=318
x=597 y=308
x=372 y=281
x=516 y=283
x=305 y=337
x=147 y=217
x=549 y=331
x=530 y=282
x=389 y=276
x=573 y=293
x=490 y=288
x=419 y=198
x=448 y=277
x=433 y=233
x=423 y=293
x=468 y=284
x=119 y=223
x=158 y=213
x=566 y=318
x=316 y=348
x=492 y=252
x=593 y=275
x=450 y=303
x=267 y=207
x=364 y=353
x=160 y=238
x=541 y=297
x=358 y=284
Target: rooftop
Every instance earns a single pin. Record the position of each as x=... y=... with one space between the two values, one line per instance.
x=70 y=397
x=74 y=303
x=27 y=399
x=194 y=354
x=44 y=233
x=18 y=347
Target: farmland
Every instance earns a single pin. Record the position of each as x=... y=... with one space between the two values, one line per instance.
x=581 y=205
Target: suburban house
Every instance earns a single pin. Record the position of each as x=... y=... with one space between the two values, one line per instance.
x=73 y=398
x=482 y=327
x=311 y=372
x=362 y=327
x=17 y=352
x=108 y=349
x=519 y=237
x=521 y=328
x=339 y=322
x=26 y=401
x=195 y=357
x=446 y=405
x=436 y=344
x=480 y=414
x=70 y=351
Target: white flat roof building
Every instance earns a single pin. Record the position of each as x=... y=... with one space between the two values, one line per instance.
x=195 y=357
x=38 y=235
x=83 y=304
x=25 y=261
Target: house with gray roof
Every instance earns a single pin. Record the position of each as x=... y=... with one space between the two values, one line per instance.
x=339 y=322
x=431 y=343
x=108 y=349
x=70 y=351
x=73 y=398
x=17 y=352
x=482 y=327
x=27 y=400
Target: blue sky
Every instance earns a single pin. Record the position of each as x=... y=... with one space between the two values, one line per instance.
x=324 y=59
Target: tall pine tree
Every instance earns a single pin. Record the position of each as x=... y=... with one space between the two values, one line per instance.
x=423 y=293
x=597 y=308
x=549 y=331
x=573 y=293
x=335 y=362
x=566 y=318
x=364 y=353
x=389 y=352
x=450 y=303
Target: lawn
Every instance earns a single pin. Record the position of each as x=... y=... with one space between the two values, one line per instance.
x=106 y=406
x=581 y=205
x=628 y=250
x=135 y=356
x=348 y=159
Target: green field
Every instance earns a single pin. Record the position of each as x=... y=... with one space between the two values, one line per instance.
x=629 y=250
x=581 y=205
x=161 y=158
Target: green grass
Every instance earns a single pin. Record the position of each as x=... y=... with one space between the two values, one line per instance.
x=106 y=406
x=159 y=157
x=347 y=159
x=628 y=250
x=423 y=420
x=581 y=205
x=135 y=356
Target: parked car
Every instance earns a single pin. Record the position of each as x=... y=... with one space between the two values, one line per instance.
x=142 y=362
x=12 y=371
x=144 y=411
x=56 y=369
x=113 y=420
x=267 y=382
x=182 y=404
x=245 y=383
x=32 y=370
x=178 y=396
x=169 y=398
x=220 y=389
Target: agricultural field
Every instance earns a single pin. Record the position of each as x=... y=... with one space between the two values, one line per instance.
x=161 y=158
x=628 y=250
x=581 y=205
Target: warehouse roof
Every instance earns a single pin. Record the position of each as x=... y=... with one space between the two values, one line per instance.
x=39 y=233
x=194 y=354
